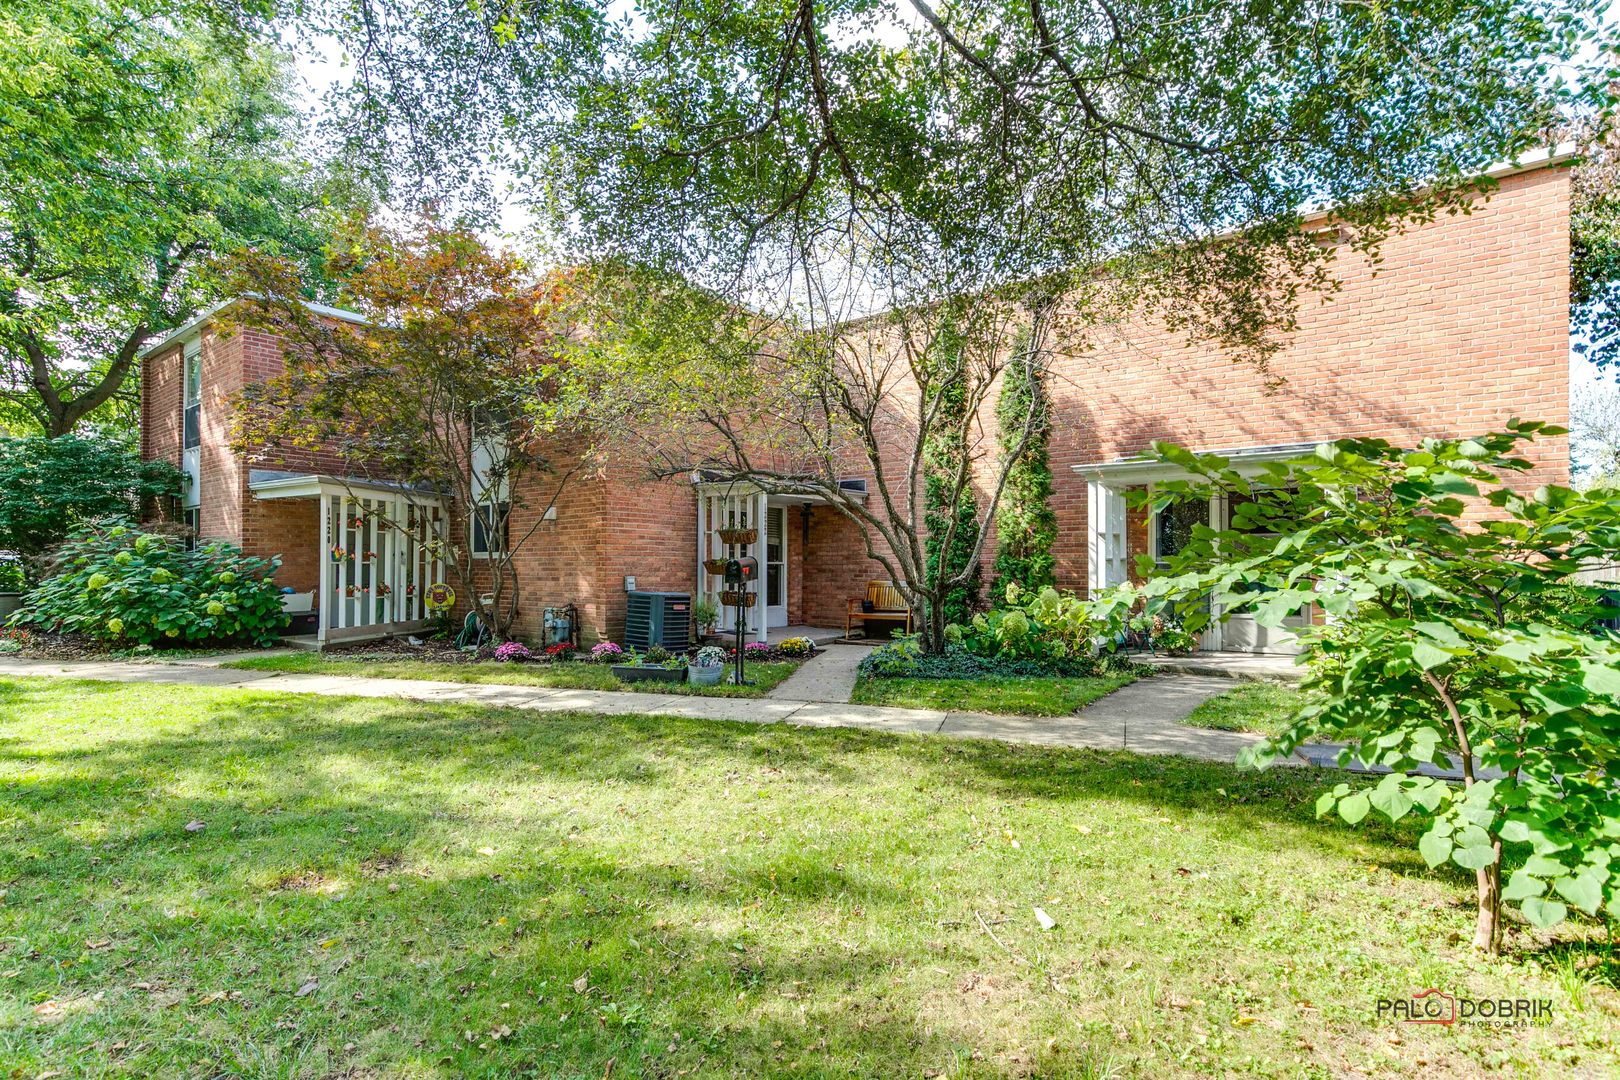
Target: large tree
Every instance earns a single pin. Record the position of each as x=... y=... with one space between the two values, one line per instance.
x=139 y=140
x=868 y=180
x=452 y=387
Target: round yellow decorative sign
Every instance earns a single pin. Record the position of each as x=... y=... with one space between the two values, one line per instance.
x=439 y=597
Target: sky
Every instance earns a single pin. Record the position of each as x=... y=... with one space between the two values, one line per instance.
x=321 y=65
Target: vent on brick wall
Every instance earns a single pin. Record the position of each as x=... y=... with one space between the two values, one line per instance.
x=658 y=618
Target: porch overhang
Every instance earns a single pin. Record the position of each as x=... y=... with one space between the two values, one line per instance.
x=748 y=489
x=276 y=484
x=1107 y=555
x=1139 y=472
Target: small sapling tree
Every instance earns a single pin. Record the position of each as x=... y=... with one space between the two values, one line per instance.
x=1452 y=642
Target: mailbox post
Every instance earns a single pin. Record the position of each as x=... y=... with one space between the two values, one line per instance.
x=739 y=572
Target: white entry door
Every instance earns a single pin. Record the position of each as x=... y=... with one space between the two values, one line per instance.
x=1241 y=631
x=776 y=564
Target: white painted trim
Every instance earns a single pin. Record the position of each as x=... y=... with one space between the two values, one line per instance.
x=323 y=604
x=194 y=326
x=1135 y=472
x=765 y=575
x=1107 y=537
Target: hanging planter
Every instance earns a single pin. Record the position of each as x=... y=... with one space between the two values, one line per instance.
x=715 y=566
x=732 y=598
x=739 y=537
x=338 y=554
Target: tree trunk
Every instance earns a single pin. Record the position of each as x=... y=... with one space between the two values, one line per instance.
x=1488 y=920
x=932 y=625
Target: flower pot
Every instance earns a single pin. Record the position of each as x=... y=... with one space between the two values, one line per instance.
x=715 y=566
x=731 y=598
x=704 y=676
x=739 y=537
x=632 y=673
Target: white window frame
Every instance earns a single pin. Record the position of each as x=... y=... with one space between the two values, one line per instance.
x=485 y=492
x=190 y=398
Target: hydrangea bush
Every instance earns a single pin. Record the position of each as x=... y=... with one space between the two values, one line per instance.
x=120 y=585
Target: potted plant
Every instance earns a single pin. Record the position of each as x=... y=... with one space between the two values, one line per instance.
x=734 y=597
x=715 y=566
x=738 y=537
x=705 y=616
x=706 y=666
x=658 y=665
x=1170 y=637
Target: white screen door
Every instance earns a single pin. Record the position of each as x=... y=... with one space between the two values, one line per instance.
x=776 y=612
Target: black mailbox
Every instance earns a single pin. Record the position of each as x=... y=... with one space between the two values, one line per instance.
x=741 y=571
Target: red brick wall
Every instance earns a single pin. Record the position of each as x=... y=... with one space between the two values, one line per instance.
x=1462 y=326
x=226 y=511
x=161 y=391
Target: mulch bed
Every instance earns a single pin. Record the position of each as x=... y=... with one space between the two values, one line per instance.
x=38 y=646
x=434 y=650
x=444 y=651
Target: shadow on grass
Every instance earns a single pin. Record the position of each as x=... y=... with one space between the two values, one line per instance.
x=402 y=856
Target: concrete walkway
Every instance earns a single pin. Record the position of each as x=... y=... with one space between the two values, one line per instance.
x=827 y=677
x=1227 y=665
x=1143 y=717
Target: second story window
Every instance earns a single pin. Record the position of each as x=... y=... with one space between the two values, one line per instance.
x=192 y=434
x=492 y=503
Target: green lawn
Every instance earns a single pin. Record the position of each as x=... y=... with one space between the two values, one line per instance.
x=572 y=676
x=1016 y=697
x=1261 y=707
x=391 y=888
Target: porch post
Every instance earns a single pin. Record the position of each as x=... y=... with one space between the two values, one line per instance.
x=762 y=632
x=1212 y=637
x=702 y=544
x=1105 y=536
x=323 y=597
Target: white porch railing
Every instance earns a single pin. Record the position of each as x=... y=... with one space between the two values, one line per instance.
x=379 y=555
x=731 y=506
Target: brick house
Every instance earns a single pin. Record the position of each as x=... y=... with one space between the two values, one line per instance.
x=1463 y=324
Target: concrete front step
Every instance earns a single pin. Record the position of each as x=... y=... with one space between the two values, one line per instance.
x=1227 y=665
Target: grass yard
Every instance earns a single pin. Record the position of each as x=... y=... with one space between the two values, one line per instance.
x=202 y=882
x=1261 y=707
x=1014 y=697
x=572 y=676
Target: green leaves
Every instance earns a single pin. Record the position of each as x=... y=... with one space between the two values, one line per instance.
x=1435 y=846
x=1354 y=807
x=149 y=590
x=1390 y=800
x=1452 y=623
x=1544 y=913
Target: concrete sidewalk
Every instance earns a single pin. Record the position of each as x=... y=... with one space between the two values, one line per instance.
x=1143 y=717
x=827 y=677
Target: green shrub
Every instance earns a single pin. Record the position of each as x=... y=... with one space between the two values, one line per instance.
x=119 y=585
x=51 y=487
x=904 y=659
x=1045 y=626
x=12 y=578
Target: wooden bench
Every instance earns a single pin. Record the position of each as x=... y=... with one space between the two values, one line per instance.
x=887 y=605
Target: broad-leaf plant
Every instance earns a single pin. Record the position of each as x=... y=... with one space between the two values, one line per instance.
x=1448 y=636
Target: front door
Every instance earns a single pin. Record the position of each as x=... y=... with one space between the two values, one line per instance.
x=1242 y=632
x=776 y=563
